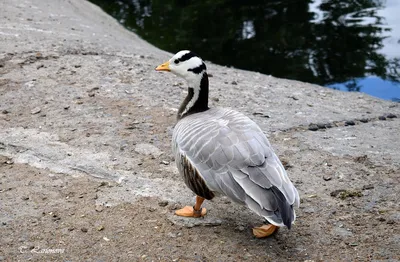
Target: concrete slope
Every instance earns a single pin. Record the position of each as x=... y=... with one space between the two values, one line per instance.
x=79 y=96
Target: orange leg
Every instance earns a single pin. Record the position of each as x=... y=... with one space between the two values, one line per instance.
x=195 y=211
x=264 y=230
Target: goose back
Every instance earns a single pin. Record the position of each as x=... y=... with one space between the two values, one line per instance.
x=222 y=151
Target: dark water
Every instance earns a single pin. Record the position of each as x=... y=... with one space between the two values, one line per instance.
x=334 y=43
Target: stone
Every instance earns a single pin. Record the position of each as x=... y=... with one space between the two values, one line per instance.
x=36 y=110
x=163 y=203
x=191 y=222
x=148 y=149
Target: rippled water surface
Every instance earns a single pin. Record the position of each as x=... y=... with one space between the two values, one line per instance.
x=351 y=45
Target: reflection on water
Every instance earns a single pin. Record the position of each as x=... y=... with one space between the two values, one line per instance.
x=321 y=41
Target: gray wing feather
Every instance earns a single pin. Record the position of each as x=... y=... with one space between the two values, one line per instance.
x=235 y=158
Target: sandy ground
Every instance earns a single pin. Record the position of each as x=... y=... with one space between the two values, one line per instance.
x=86 y=171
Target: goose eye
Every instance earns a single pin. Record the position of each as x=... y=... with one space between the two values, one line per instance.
x=176 y=61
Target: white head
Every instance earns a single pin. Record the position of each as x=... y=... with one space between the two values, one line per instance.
x=187 y=65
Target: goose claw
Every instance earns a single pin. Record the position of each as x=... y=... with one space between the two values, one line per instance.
x=189 y=211
x=264 y=231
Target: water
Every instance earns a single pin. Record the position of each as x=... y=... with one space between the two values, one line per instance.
x=351 y=45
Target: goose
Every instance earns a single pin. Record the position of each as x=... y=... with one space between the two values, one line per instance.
x=220 y=151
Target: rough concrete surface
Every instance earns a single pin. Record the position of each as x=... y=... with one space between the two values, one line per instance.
x=86 y=171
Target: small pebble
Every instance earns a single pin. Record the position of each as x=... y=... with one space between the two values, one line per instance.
x=364 y=120
x=5 y=112
x=165 y=162
x=313 y=127
x=172 y=235
x=84 y=229
x=234 y=83
x=390 y=222
x=321 y=126
x=382 y=118
x=391 y=116
x=99 y=208
x=163 y=203
x=349 y=123
x=366 y=187
x=36 y=110
x=240 y=228
x=25 y=198
x=100 y=228
x=327 y=178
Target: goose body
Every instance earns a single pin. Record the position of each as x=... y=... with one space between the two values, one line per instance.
x=221 y=151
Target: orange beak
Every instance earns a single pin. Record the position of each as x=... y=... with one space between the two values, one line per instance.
x=163 y=67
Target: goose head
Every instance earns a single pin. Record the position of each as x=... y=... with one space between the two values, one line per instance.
x=187 y=65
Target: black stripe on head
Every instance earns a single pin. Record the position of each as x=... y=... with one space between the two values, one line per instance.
x=199 y=69
x=185 y=57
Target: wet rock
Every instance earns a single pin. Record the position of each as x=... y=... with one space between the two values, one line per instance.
x=313 y=127
x=349 y=123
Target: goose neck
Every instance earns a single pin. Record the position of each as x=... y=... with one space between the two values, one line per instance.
x=197 y=98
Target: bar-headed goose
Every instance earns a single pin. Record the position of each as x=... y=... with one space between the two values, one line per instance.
x=221 y=151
